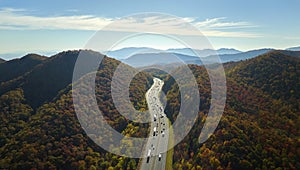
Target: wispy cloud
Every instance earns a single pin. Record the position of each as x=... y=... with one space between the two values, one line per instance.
x=207 y=22
x=12 y=9
x=221 y=23
x=236 y=34
x=14 y=20
x=17 y=19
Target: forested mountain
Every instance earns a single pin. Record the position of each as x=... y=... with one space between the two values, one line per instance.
x=1 y=60
x=275 y=73
x=17 y=67
x=260 y=125
x=56 y=72
x=50 y=136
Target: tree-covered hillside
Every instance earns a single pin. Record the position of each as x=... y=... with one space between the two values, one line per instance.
x=50 y=136
x=14 y=68
x=2 y=60
x=260 y=125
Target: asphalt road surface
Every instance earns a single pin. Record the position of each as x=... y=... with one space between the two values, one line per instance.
x=154 y=157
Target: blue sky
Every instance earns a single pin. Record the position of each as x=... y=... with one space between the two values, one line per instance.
x=47 y=27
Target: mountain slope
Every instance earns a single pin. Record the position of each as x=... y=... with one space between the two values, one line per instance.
x=1 y=60
x=14 y=114
x=17 y=67
x=260 y=125
x=290 y=53
x=44 y=82
x=275 y=73
x=51 y=137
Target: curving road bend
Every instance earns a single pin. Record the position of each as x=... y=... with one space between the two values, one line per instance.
x=154 y=158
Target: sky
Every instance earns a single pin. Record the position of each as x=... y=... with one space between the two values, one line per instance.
x=48 y=27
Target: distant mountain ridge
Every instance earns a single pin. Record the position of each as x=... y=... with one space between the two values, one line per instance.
x=294 y=48
x=165 y=58
x=204 y=52
x=147 y=59
x=243 y=55
x=127 y=52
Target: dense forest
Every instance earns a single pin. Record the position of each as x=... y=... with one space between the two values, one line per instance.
x=258 y=130
x=260 y=125
x=45 y=133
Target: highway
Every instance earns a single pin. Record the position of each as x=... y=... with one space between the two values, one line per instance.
x=154 y=157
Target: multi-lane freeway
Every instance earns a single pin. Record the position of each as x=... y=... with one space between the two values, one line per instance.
x=157 y=144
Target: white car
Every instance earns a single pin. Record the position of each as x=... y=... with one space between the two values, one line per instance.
x=159 y=157
x=148 y=155
x=154 y=131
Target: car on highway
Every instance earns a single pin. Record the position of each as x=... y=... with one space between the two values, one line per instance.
x=159 y=157
x=148 y=155
x=154 y=131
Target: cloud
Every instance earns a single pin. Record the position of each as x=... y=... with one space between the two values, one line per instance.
x=207 y=22
x=12 y=9
x=14 y=20
x=230 y=34
x=219 y=23
x=17 y=19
